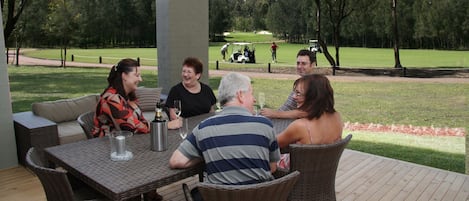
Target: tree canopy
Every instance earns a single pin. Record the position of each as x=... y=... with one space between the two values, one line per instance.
x=132 y=23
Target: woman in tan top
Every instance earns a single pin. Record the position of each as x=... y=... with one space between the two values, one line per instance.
x=322 y=124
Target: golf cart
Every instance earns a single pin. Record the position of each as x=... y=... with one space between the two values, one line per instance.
x=314 y=46
x=242 y=53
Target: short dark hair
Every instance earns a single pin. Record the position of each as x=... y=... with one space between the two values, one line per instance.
x=195 y=63
x=319 y=95
x=310 y=54
x=114 y=78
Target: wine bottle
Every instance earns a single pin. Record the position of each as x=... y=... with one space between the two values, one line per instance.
x=158 y=113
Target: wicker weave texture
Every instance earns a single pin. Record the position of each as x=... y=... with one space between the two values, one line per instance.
x=89 y=161
x=86 y=122
x=55 y=182
x=275 y=190
x=318 y=167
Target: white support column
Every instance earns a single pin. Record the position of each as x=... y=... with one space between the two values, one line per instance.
x=182 y=31
x=8 y=157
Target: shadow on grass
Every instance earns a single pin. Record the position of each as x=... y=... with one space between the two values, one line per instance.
x=31 y=87
x=427 y=157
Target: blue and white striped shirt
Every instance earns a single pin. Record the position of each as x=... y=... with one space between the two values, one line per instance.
x=236 y=146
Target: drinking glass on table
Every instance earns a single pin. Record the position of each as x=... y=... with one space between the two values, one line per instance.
x=177 y=108
x=178 y=111
x=184 y=130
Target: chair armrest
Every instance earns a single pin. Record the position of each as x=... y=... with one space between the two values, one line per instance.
x=280 y=173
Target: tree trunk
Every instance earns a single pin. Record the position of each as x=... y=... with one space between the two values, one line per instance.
x=397 y=61
x=11 y=18
x=318 y=35
x=65 y=56
x=327 y=54
x=62 y=57
x=337 y=44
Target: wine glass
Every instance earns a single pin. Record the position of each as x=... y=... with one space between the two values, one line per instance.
x=184 y=129
x=261 y=100
x=177 y=108
x=218 y=107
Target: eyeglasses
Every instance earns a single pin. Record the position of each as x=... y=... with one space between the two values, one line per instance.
x=297 y=93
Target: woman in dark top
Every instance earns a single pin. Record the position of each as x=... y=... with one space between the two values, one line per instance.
x=196 y=97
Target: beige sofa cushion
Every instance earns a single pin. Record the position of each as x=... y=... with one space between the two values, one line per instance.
x=65 y=109
x=70 y=132
x=148 y=97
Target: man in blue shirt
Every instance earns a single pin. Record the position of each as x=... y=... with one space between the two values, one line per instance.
x=237 y=147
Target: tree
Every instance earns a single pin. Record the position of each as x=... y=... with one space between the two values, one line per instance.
x=397 y=60
x=337 y=11
x=14 y=10
x=131 y=23
x=287 y=19
x=322 y=44
x=261 y=8
x=219 y=18
x=62 y=24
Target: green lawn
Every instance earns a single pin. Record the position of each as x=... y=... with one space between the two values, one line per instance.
x=420 y=104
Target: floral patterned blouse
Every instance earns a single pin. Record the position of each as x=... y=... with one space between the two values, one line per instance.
x=114 y=110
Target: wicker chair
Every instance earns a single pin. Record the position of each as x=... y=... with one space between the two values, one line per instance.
x=275 y=190
x=56 y=183
x=318 y=167
x=86 y=122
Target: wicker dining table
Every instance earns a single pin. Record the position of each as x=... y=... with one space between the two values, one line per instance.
x=90 y=161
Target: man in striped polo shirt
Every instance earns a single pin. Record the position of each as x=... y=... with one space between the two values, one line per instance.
x=237 y=147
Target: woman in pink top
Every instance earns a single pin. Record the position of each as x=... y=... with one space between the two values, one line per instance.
x=322 y=125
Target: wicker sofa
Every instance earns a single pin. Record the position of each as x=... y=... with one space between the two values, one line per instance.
x=64 y=113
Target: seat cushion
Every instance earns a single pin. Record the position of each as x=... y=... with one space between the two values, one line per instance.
x=70 y=131
x=148 y=97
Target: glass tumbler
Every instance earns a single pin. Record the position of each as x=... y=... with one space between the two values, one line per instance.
x=120 y=149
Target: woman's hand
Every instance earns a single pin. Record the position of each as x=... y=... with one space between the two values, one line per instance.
x=175 y=124
x=270 y=113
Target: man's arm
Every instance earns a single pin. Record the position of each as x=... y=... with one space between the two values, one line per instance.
x=290 y=114
x=178 y=160
x=273 y=167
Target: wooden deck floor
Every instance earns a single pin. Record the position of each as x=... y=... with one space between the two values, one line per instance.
x=360 y=176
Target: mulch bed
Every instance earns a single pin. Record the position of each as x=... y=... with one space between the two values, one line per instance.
x=406 y=129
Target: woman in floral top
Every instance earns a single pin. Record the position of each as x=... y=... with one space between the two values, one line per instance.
x=117 y=108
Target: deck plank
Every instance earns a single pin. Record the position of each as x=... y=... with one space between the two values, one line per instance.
x=453 y=190
x=396 y=176
x=361 y=181
x=399 y=187
x=433 y=184
x=444 y=186
x=463 y=193
x=375 y=183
